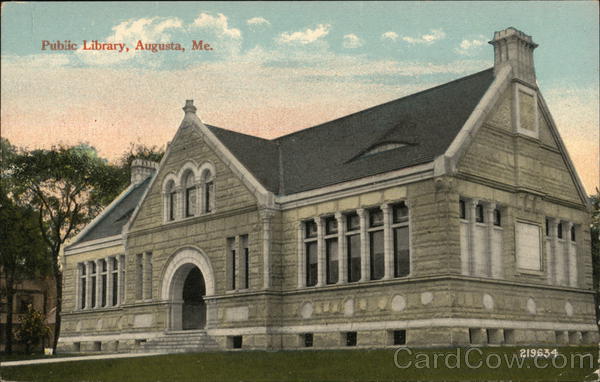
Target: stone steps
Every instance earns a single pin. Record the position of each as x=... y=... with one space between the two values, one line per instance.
x=180 y=342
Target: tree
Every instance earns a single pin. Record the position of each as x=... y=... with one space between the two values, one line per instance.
x=23 y=253
x=32 y=330
x=67 y=186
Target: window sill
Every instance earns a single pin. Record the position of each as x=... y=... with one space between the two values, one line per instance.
x=531 y=272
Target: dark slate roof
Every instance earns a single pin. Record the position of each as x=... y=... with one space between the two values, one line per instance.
x=259 y=156
x=424 y=123
x=111 y=223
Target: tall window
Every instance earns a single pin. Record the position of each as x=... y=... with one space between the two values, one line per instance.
x=208 y=187
x=190 y=195
x=82 y=285
x=139 y=276
x=310 y=243
x=401 y=240
x=245 y=261
x=171 y=201
x=376 y=252
x=479 y=213
x=331 y=249
x=103 y=282
x=353 y=246
x=232 y=261
x=115 y=281
x=93 y=276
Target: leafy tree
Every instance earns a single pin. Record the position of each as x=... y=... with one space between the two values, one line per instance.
x=33 y=329
x=67 y=186
x=23 y=252
x=121 y=170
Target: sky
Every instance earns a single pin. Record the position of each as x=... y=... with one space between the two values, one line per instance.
x=274 y=67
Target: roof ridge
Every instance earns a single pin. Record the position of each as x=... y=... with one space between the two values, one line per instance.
x=239 y=133
x=385 y=103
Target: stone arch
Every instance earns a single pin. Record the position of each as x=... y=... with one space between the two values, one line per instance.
x=179 y=267
x=189 y=255
x=189 y=166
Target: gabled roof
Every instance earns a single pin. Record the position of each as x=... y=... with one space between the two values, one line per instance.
x=112 y=220
x=421 y=126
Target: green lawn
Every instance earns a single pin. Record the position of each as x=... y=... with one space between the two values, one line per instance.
x=326 y=365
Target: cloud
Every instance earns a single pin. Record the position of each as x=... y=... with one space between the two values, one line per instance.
x=390 y=36
x=307 y=36
x=257 y=21
x=147 y=30
x=218 y=24
x=429 y=38
x=352 y=41
x=468 y=47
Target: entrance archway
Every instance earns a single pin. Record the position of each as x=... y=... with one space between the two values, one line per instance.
x=193 y=315
x=187 y=280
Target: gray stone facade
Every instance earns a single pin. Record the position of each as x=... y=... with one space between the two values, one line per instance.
x=471 y=279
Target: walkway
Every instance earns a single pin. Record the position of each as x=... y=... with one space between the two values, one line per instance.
x=77 y=358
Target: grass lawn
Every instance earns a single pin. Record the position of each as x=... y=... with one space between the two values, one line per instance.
x=325 y=365
x=24 y=357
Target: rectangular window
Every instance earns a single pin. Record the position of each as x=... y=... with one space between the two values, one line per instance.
x=352 y=222
x=308 y=340
x=82 y=286
x=376 y=255
x=331 y=226
x=93 y=275
x=351 y=339
x=497 y=217
x=245 y=261
x=353 y=246
x=573 y=237
x=235 y=342
x=528 y=246
x=310 y=228
x=559 y=230
x=232 y=262
x=400 y=213
x=375 y=217
x=479 y=213
x=172 y=199
x=399 y=337
x=547 y=227
x=401 y=252
x=462 y=209
x=312 y=266
x=103 y=283
x=208 y=191
x=115 y=282
x=139 y=276
x=401 y=239
x=190 y=201
x=331 y=247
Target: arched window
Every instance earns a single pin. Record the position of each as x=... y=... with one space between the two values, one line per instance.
x=171 y=201
x=208 y=191
x=190 y=194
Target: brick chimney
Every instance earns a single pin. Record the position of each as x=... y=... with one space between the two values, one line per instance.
x=142 y=169
x=515 y=49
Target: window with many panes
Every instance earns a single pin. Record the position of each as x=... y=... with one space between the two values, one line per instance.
x=331 y=250
x=310 y=244
x=82 y=285
x=376 y=251
x=190 y=195
x=115 y=281
x=353 y=246
x=400 y=233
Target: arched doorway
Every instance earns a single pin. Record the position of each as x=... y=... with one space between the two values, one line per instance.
x=193 y=312
x=187 y=282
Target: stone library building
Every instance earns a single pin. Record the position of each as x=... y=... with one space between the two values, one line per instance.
x=449 y=217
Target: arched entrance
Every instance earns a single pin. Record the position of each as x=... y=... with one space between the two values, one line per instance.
x=187 y=280
x=193 y=315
